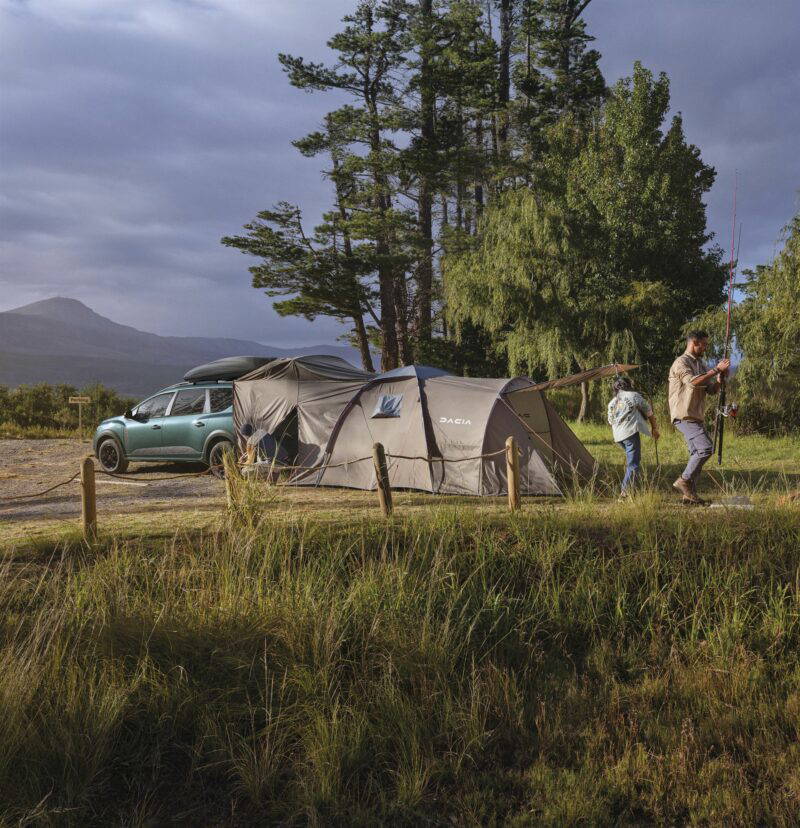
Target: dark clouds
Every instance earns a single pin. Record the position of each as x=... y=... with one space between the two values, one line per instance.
x=135 y=133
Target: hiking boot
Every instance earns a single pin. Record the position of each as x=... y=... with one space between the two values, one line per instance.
x=687 y=490
x=697 y=499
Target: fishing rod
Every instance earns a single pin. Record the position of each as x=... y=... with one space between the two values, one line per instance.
x=724 y=410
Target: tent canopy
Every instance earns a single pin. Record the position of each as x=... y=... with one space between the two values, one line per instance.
x=441 y=433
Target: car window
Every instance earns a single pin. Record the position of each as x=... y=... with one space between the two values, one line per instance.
x=190 y=401
x=155 y=406
x=221 y=398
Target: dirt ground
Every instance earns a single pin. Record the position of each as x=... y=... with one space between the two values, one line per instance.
x=143 y=503
x=28 y=466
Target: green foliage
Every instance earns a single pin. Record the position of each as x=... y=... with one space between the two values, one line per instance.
x=768 y=333
x=557 y=74
x=46 y=406
x=766 y=329
x=461 y=667
x=604 y=258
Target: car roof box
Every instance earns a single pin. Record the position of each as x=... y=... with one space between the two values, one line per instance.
x=227 y=368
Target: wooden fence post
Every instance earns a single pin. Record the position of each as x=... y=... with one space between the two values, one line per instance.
x=512 y=474
x=88 y=500
x=382 y=476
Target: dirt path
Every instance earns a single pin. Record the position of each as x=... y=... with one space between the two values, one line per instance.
x=28 y=466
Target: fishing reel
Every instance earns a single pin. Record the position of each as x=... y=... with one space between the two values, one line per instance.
x=729 y=410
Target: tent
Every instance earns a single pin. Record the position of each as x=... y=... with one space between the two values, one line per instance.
x=441 y=433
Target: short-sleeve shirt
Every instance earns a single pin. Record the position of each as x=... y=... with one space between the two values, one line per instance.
x=627 y=413
x=687 y=402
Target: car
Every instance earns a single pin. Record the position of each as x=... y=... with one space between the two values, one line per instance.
x=185 y=423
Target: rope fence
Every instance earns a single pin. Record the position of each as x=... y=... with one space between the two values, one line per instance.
x=243 y=464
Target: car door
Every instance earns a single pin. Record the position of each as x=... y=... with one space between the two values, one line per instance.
x=143 y=434
x=184 y=430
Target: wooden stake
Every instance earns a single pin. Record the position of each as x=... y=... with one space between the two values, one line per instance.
x=512 y=474
x=382 y=476
x=88 y=500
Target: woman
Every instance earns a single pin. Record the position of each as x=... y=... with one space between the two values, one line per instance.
x=628 y=413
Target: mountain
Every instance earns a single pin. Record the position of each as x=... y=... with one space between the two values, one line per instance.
x=61 y=340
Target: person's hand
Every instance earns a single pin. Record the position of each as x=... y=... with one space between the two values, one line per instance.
x=723 y=365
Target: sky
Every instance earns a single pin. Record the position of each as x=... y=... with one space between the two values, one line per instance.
x=134 y=134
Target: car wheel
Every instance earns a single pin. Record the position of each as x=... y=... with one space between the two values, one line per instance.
x=216 y=457
x=111 y=457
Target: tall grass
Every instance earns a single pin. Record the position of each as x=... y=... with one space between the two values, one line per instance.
x=555 y=666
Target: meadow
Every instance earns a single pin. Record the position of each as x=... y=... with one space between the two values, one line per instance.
x=580 y=662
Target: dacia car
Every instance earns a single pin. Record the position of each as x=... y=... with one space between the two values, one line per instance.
x=186 y=423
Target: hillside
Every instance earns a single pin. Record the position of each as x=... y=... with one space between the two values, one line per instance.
x=62 y=340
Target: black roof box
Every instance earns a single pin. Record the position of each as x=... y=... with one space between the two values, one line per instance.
x=227 y=368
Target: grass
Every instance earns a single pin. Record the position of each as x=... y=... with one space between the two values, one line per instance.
x=564 y=665
x=300 y=661
x=12 y=431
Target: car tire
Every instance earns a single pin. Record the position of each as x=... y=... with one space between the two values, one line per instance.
x=111 y=457
x=215 y=457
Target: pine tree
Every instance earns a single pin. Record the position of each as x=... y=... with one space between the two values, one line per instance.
x=370 y=49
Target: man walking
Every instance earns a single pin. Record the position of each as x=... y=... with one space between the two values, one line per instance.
x=689 y=382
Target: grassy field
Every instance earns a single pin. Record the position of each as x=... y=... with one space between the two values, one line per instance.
x=584 y=661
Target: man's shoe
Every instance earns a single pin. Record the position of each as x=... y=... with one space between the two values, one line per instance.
x=697 y=499
x=685 y=488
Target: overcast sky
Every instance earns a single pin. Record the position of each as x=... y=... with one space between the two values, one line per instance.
x=135 y=133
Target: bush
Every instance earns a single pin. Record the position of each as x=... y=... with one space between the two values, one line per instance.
x=47 y=406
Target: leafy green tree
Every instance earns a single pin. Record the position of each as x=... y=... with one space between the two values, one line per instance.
x=767 y=334
x=605 y=258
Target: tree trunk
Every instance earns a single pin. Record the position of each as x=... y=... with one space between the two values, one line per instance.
x=504 y=76
x=584 y=410
x=358 y=317
x=478 y=183
x=406 y=350
x=425 y=266
x=363 y=342
x=390 y=356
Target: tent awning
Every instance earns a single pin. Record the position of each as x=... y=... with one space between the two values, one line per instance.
x=577 y=379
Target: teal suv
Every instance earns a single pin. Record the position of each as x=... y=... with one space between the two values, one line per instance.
x=187 y=423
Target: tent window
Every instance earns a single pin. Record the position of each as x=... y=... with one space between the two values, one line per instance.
x=388 y=405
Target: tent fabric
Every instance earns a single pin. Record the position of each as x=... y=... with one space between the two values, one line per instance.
x=305 y=368
x=437 y=434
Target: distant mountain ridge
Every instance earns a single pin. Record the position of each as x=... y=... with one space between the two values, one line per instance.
x=61 y=340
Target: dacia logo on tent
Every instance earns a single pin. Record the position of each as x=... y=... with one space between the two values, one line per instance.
x=454 y=421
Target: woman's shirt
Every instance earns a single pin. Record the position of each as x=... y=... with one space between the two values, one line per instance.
x=627 y=413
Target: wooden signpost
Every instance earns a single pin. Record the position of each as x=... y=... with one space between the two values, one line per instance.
x=80 y=402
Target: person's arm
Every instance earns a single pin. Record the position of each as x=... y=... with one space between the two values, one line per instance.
x=646 y=410
x=713 y=374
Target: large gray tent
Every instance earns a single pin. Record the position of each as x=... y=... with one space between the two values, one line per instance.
x=441 y=433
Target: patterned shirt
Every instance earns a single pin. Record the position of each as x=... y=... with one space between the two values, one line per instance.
x=626 y=415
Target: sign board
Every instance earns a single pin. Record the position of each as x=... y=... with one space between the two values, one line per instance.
x=74 y=400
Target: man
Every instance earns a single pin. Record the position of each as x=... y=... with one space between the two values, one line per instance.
x=689 y=382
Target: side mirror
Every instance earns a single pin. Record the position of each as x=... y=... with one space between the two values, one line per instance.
x=128 y=415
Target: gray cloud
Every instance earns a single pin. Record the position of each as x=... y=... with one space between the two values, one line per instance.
x=136 y=133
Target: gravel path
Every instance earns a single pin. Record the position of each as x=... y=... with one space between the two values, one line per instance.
x=28 y=466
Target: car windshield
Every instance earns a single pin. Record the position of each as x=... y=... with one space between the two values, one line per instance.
x=155 y=406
